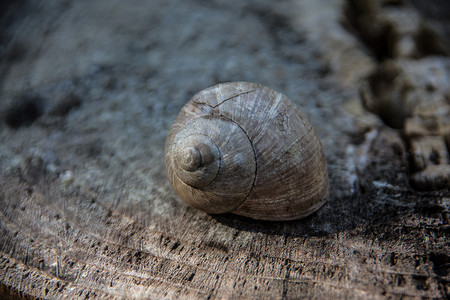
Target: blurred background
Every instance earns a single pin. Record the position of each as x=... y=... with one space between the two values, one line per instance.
x=89 y=90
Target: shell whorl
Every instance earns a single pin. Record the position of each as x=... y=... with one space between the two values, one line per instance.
x=204 y=159
x=197 y=160
x=244 y=148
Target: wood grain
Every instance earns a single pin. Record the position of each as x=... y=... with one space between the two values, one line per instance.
x=86 y=209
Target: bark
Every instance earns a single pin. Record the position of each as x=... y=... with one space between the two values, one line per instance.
x=88 y=94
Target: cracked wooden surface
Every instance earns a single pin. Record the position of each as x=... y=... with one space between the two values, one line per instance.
x=88 y=94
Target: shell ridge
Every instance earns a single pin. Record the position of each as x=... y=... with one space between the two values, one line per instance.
x=254 y=155
x=272 y=113
x=230 y=133
x=224 y=100
x=269 y=116
x=232 y=97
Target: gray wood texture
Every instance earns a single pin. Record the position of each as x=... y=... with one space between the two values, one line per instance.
x=89 y=90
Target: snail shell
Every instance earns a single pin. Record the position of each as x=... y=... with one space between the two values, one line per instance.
x=244 y=148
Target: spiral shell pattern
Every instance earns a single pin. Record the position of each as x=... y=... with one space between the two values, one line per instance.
x=244 y=148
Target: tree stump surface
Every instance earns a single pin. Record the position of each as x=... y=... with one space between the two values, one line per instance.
x=89 y=91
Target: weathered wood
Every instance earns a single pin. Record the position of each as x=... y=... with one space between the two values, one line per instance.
x=86 y=210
